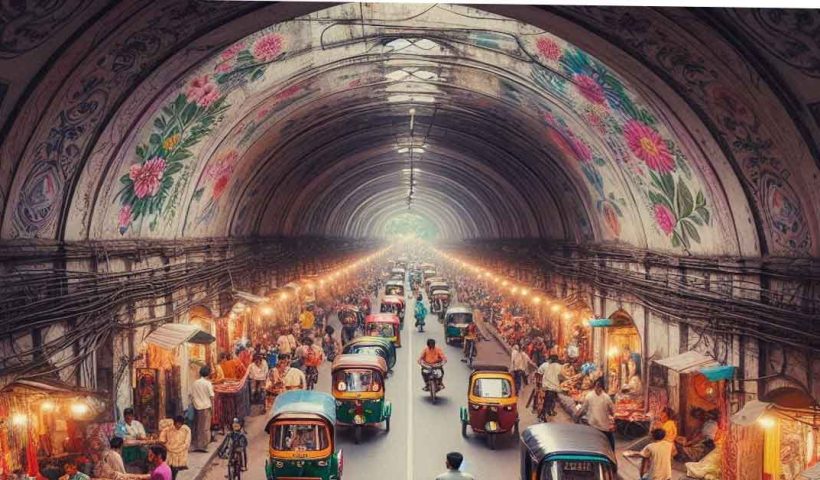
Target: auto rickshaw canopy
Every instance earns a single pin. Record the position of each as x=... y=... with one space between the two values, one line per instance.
x=359 y=360
x=393 y=299
x=382 y=318
x=565 y=441
x=297 y=404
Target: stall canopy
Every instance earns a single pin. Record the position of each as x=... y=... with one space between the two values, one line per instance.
x=171 y=335
x=250 y=297
x=688 y=362
x=750 y=412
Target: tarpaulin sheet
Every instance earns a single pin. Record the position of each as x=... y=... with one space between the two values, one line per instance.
x=172 y=335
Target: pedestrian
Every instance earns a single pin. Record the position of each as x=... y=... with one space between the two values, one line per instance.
x=551 y=382
x=202 y=395
x=453 y=462
x=72 y=472
x=657 y=458
x=111 y=464
x=599 y=408
x=177 y=440
x=519 y=361
x=258 y=373
x=156 y=457
x=283 y=342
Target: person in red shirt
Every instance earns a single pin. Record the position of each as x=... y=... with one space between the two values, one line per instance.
x=432 y=355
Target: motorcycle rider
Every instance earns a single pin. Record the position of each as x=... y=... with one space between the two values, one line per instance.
x=432 y=355
x=421 y=312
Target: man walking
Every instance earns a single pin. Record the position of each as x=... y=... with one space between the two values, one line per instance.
x=202 y=395
x=657 y=458
x=453 y=464
x=599 y=408
x=551 y=382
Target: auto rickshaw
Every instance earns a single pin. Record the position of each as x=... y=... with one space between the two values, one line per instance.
x=358 y=387
x=398 y=272
x=456 y=320
x=440 y=282
x=380 y=346
x=393 y=304
x=566 y=450
x=394 y=287
x=302 y=434
x=492 y=403
x=386 y=325
x=439 y=302
x=349 y=318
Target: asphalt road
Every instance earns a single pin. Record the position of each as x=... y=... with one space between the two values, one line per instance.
x=421 y=433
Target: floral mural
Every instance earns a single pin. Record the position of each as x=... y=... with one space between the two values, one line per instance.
x=164 y=164
x=631 y=132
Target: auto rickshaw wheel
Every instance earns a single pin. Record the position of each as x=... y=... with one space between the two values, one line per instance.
x=387 y=424
x=491 y=440
x=464 y=429
x=515 y=428
x=357 y=435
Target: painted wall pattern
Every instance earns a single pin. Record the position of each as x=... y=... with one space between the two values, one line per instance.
x=734 y=117
x=651 y=160
x=158 y=179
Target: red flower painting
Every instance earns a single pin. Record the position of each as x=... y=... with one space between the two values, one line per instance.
x=147 y=177
x=647 y=144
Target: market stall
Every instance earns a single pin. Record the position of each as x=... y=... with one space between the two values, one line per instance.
x=790 y=425
x=232 y=400
x=46 y=423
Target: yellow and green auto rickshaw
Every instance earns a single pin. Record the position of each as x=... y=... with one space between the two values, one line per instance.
x=456 y=320
x=358 y=387
x=302 y=432
x=380 y=346
x=566 y=450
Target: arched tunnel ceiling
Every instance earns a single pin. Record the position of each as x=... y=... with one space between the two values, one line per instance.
x=301 y=127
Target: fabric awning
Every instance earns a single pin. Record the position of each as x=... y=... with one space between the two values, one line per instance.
x=172 y=335
x=688 y=362
x=750 y=412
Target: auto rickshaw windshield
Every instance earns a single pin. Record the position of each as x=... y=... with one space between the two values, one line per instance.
x=459 y=318
x=492 y=388
x=382 y=330
x=300 y=437
x=362 y=380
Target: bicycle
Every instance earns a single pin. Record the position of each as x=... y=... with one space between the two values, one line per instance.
x=311 y=376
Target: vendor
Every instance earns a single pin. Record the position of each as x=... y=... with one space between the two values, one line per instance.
x=130 y=429
x=231 y=367
x=634 y=386
x=695 y=448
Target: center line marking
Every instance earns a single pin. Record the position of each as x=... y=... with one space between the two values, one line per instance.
x=410 y=398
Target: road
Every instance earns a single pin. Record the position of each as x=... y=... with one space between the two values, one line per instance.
x=421 y=433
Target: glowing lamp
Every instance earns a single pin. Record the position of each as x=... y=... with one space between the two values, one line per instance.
x=555 y=308
x=79 y=409
x=283 y=296
x=536 y=300
x=266 y=310
x=766 y=421
x=568 y=315
x=514 y=290
x=19 y=419
x=613 y=351
x=505 y=283
x=48 y=406
x=525 y=291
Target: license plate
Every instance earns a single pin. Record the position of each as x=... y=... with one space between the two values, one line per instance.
x=577 y=467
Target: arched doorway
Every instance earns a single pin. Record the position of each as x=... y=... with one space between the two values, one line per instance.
x=623 y=362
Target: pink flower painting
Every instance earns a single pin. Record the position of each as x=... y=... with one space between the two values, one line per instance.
x=647 y=144
x=147 y=177
x=267 y=48
x=665 y=218
x=231 y=52
x=548 y=49
x=202 y=91
x=589 y=89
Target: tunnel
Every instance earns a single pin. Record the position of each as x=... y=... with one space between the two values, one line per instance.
x=193 y=164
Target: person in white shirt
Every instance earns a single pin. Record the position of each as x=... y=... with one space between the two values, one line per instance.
x=519 y=361
x=258 y=373
x=202 y=395
x=551 y=382
x=134 y=430
x=657 y=458
x=599 y=407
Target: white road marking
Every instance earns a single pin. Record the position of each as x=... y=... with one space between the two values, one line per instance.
x=410 y=399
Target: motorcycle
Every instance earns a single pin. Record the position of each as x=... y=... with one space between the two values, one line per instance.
x=433 y=373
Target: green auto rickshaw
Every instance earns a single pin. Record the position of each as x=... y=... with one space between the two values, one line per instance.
x=358 y=387
x=302 y=431
x=380 y=346
x=565 y=450
x=455 y=322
